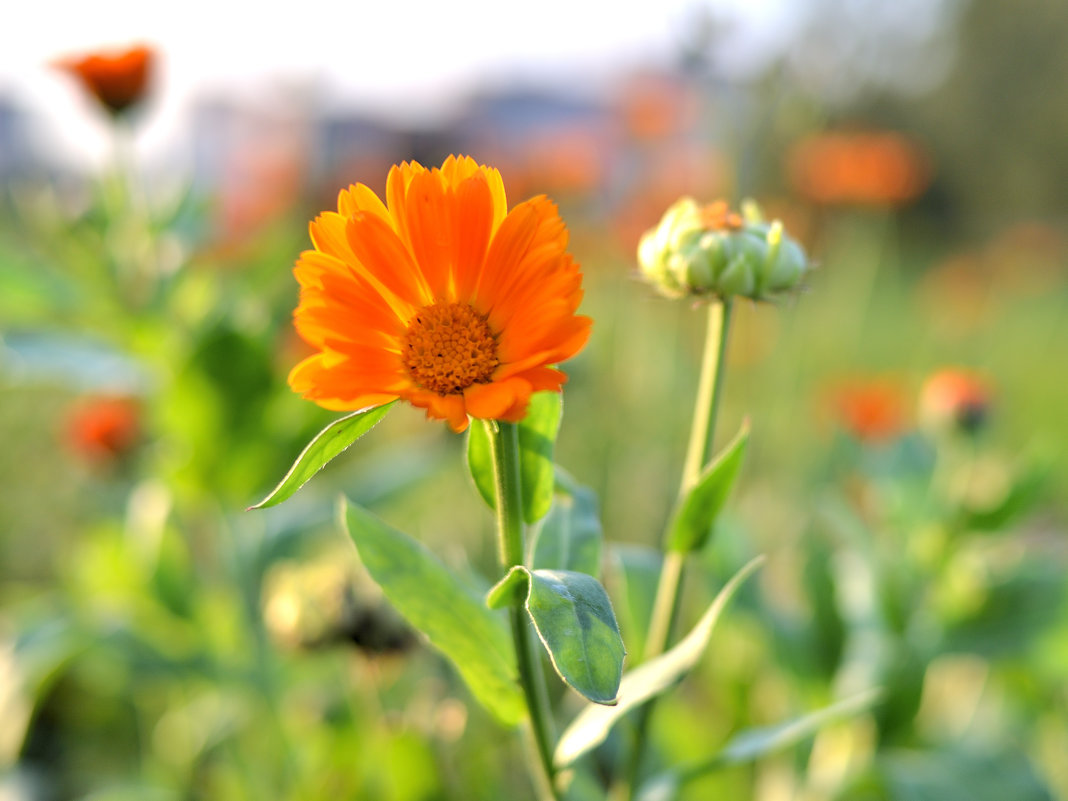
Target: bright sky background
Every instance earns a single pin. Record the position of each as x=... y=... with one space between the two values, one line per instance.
x=406 y=58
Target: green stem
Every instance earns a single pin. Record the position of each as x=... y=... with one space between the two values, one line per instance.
x=709 y=389
x=702 y=436
x=504 y=445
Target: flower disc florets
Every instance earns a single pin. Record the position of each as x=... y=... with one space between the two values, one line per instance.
x=708 y=250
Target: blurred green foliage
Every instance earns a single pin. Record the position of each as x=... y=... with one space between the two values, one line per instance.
x=156 y=641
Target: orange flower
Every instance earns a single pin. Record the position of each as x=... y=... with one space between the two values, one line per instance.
x=440 y=296
x=103 y=429
x=870 y=410
x=954 y=398
x=118 y=80
x=862 y=168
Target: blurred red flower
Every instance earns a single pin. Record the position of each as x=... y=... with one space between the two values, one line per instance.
x=118 y=80
x=103 y=429
x=871 y=410
x=869 y=168
x=954 y=399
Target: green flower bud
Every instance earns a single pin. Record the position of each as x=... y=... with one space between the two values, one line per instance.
x=708 y=250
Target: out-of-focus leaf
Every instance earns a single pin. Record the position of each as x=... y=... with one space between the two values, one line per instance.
x=574 y=619
x=569 y=537
x=451 y=615
x=634 y=571
x=328 y=443
x=591 y=726
x=752 y=744
x=956 y=776
x=692 y=522
x=1019 y=498
x=28 y=666
x=537 y=435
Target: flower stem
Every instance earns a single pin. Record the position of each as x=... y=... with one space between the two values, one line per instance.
x=504 y=445
x=702 y=436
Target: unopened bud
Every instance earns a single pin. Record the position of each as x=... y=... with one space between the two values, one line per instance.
x=709 y=250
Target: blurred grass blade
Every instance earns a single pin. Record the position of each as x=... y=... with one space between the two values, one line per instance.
x=692 y=524
x=569 y=536
x=537 y=435
x=326 y=445
x=591 y=726
x=574 y=619
x=752 y=744
x=449 y=613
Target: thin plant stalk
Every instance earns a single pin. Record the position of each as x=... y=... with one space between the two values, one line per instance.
x=504 y=444
x=702 y=439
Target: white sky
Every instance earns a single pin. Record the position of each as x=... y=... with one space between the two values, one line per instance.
x=409 y=58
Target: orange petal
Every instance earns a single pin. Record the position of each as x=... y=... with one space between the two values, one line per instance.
x=378 y=248
x=490 y=401
x=431 y=231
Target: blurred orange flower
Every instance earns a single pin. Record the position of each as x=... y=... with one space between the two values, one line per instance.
x=862 y=168
x=118 y=80
x=103 y=429
x=871 y=410
x=440 y=296
x=954 y=398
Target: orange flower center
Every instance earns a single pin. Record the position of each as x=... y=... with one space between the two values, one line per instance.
x=448 y=347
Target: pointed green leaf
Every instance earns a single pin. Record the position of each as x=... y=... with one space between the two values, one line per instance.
x=569 y=537
x=451 y=615
x=327 y=444
x=692 y=524
x=574 y=619
x=537 y=434
x=752 y=744
x=591 y=726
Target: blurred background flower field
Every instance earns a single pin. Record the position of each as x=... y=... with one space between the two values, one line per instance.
x=907 y=474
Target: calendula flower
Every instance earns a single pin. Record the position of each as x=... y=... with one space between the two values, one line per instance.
x=118 y=80
x=871 y=410
x=864 y=168
x=440 y=296
x=954 y=399
x=102 y=430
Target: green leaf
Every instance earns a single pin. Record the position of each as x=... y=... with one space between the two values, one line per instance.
x=692 y=523
x=752 y=744
x=480 y=462
x=591 y=726
x=537 y=434
x=569 y=537
x=574 y=619
x=437 y=603
x=510 y=590
x=635 y=574
x=326 y=445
